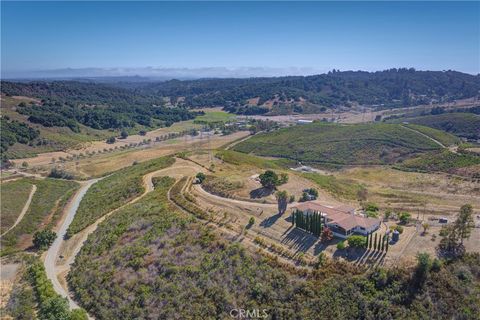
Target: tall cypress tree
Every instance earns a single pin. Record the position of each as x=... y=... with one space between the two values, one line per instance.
x=293 y=218
x=386 y=244
x=368 y=245
x=383 y=242
x=376 y=246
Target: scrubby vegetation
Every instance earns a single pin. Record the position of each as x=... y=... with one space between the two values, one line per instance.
x=340 y=144
x=13 y=132
x=47 y=202
x=221 y=186
x=50 y=304
x=149 y=259
x=114 y=191
x=56 y=114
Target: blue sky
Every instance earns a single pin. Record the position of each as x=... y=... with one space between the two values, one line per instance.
x=318 y=35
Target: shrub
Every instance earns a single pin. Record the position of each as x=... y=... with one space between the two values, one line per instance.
x=326 y=235
x=43 y=239
x=404 y=217
x=111 y=140
x=341 y=245
x=200 y=177
x=357 y=241
x=60 y=174
x=399 y=229
x=371 y=207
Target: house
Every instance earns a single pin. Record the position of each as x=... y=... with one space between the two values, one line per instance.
x=342 y=220
x=304 y=121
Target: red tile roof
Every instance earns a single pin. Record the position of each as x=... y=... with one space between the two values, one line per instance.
x=340 y=215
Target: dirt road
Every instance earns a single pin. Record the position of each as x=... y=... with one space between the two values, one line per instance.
x=54 y=249
x=428 y=137
x=58 y=268
x=24 y=210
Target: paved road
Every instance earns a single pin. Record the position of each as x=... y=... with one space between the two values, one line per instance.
x=52 y=252
x=24 y=210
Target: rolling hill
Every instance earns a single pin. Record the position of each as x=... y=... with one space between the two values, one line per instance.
x=465 y=125
x=309 y=94
x=341 y=144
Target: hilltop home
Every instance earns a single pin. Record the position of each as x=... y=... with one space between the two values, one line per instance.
x=341 y=220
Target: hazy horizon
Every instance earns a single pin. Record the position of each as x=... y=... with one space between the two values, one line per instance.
x=159 y=73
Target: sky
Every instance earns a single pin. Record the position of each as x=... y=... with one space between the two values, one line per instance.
x=288 y=37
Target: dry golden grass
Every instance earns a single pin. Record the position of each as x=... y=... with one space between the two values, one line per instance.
x=104 y=163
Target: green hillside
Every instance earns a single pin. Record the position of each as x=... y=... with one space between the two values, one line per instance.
x=340 y=144
x=466 y=125
x=444 y=161
x=442 y=137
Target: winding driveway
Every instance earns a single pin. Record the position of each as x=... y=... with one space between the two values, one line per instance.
x=52 y=252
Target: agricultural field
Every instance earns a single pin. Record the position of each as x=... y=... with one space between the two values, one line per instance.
x=444 y=161
x=214 y=117
x=14 y=197
x=360 y=144
x=461 y=124
x=44 y=211
x=445 y=139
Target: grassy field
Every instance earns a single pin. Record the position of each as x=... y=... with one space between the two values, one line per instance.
x=458 y=123
x=45 y=208
x=114 y=191
x=212 y=117
x=444 y=161
x=14 y=195
x=339 y=188
x=444 y=138
x=340 y=144
x=238 y=158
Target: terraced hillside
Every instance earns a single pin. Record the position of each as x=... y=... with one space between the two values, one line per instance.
x=341 y=144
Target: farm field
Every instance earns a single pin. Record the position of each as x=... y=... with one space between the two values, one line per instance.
x=14 y=197
x=340 y=144
x=89 y=145
x=461 y=124
x=44 y=211
x=445 y=161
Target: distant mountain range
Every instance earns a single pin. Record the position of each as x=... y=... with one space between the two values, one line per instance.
x=161 y=73
x=262 y=95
